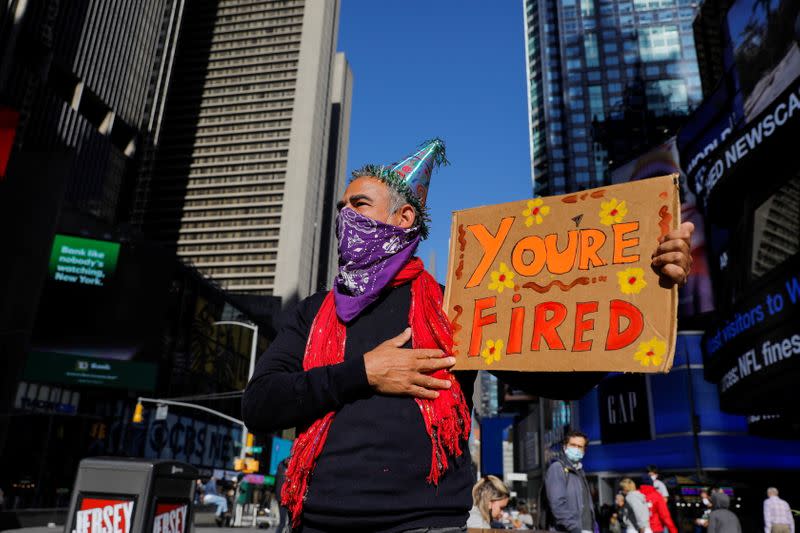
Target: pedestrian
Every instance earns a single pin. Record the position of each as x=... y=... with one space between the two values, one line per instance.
x=489 y=497
x=376 y=407
x=568 y=495
x=525 y=517
x=626 y=518
x=700 y=524
x=660 y=519
x=721 y=519
x=638 y=505
x=652 y=472
x=212 y=497
x=280 y=478
x=777 y=514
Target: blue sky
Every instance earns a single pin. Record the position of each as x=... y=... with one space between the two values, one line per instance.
x=446 y=68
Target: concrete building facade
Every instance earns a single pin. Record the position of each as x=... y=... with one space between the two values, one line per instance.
x=239 y=176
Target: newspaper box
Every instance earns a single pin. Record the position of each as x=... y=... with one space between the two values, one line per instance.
x=118 y=495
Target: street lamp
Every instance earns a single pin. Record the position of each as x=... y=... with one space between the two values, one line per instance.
x=253 y=348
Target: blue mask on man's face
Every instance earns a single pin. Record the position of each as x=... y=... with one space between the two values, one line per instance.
x=573 y=454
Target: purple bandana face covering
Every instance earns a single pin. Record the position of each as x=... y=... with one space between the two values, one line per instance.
x=371 y=253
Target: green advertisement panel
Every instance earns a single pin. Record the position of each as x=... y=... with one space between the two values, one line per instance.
x=82 y=261
x=64 y=368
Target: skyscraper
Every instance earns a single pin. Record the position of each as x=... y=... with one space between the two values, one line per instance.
x=606 y=78
x=239 y=177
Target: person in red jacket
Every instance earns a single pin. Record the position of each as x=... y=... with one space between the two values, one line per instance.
x=660 y=520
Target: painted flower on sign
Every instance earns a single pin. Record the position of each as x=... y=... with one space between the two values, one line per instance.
x=651 y=352
x=631 y=280
x=535 y=212
x=612 y=212
x=493 y=351
x=501 y=279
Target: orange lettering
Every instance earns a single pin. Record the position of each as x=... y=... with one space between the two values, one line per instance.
x=581 y=326
x=534 y=244
x=478 y=321
x=515 y=330
x=561 y=262
x=591 y=242
x=617 y=339
x=544 y=327
x=491 y=245
x=620 y=244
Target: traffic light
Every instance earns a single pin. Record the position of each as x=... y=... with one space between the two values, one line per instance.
x=248 y=465
x=138 y=413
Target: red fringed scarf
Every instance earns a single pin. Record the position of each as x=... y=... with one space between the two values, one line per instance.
x=447 y=419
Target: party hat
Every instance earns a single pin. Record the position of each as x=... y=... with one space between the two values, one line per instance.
x=411 y=177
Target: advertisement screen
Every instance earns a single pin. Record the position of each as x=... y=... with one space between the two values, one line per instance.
x=100 y=312
x=766 y=49
x=83 y=261
x=171 y=516
x=696 y=297
x=108 y=513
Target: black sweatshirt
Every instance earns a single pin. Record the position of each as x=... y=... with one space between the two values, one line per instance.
x=371 y=473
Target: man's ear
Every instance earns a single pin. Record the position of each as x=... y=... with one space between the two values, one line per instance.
x=406 y=216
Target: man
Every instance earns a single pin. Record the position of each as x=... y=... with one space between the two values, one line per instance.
x=212 y=497
x=652 y=472
x=568 y=494
x=638 y=505
x=660 y=518
x=721 y=519
x=383 y=424
x=777 y=514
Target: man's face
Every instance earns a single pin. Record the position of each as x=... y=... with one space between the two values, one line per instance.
x=370 y=197
x=577 y=442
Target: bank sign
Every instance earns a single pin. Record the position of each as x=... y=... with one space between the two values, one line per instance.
x=79 y=261
x=193 y=441
x=757 y=343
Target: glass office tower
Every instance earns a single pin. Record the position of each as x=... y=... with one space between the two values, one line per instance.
x=607 y=79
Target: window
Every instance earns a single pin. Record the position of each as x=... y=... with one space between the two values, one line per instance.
x=596 y=102
x=587 y=8
x=573 y=64
x=580 y=147
x=582 y=162
x=659 y=43
x=776 y=229
x=652 y=70
x=666 y=97
x=615 y=87
x=591 y=51
x=578 y=133
x=578 y=118
x=642 y=5
x=612 y=60
x=613 y=74
x=610 y=48
x=593 y=75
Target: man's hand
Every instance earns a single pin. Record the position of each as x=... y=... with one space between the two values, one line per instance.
x=672 y=260
x=392 y=369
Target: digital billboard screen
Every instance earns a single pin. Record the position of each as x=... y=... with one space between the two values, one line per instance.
x=83 y=261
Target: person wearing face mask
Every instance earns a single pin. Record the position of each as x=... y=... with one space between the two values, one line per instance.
x=652 y=472
x=362 y=371
x=700 y=524
x=568 y=496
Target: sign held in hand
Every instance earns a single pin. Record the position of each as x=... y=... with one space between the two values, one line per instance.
x=564 y=283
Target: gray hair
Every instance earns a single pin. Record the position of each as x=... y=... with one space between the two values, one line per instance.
x=772 y=491
x=396 y=198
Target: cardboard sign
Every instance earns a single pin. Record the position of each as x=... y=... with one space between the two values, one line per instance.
x=564 y=283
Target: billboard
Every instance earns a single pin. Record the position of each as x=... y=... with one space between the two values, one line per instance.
x=83 y=261
x=697 y=296
x=757 y=96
